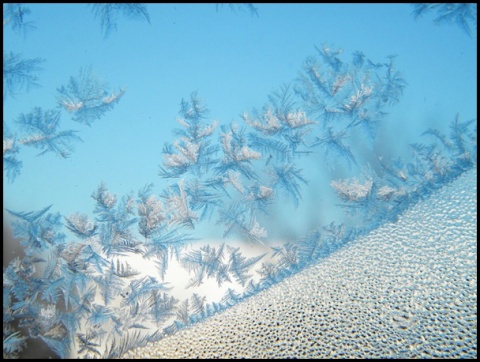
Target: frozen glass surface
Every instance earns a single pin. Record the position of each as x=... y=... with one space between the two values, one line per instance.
x=165 y=162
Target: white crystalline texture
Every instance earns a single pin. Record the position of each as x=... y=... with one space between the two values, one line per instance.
x=109 y=199
x=152 y=211
x=207 y=131
x=256 y=231
x=47 y=316
x=235 y=180
x=352 y=191
x=175 y=160
x=226 y=142
x=298 y=119
x=340 y=81
x=269 y=124
x=178 y=207
x=265 y=192
x=247 y=153
x=386 y=192
x=188 y=154
x=71 y=106
x=7 y=144
x=358 y=98
x=32 y=139
x=113 y=97
x=406 y=290
x=242 y=154
x=81 y=223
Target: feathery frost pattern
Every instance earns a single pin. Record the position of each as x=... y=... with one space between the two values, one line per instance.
x=283 y=127
x=19 y=74
x=381 y=197
x=14 y=16
x=86 y=97
x=42 y=128
x=463 y=14
x=192 y=151
x=101 y=285
x=108 y=14
x=11 y=165
x=112 y=302
x=347 y=98
x=41 y=131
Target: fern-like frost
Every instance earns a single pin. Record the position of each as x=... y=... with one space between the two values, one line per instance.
x=19 y=74
x=86 y=96
x=108 y=14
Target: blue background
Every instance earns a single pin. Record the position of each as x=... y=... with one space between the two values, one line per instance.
x=234 y=60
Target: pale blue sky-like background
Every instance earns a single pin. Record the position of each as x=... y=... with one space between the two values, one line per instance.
x=234 y=60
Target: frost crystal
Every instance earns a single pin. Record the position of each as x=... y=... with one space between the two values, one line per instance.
x=353 y=191
x=256 y=231
x=247 y=154
x=386 y=192
x=7 y=144
x=270 y=125
x=298 y=119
